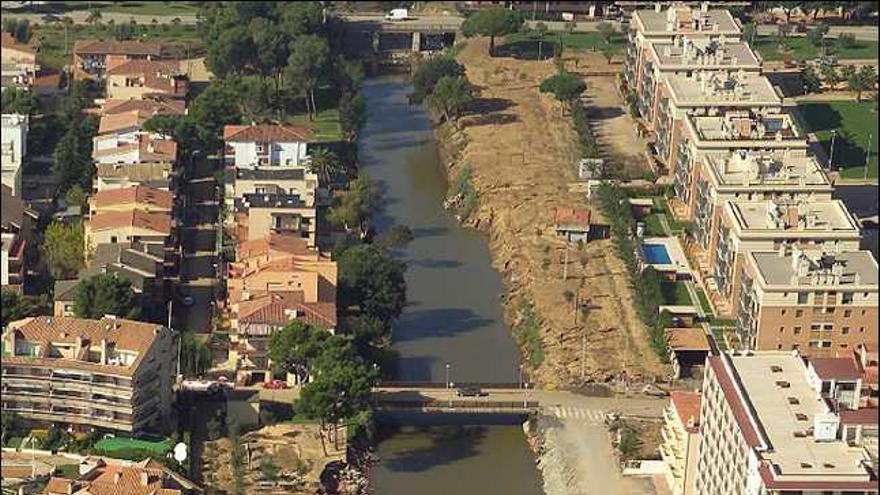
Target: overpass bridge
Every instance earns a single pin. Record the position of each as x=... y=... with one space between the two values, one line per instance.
x=423 y=33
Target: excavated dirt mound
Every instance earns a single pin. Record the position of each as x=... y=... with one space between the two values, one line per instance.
x=522 y=150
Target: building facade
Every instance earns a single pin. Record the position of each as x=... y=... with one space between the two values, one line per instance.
x=14 y=148
x=681 y=441
x=109 y=374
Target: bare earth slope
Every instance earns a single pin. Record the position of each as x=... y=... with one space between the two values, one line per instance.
x=522 y=151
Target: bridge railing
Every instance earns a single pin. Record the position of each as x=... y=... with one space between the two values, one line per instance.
x=455 y=404
x=441 y=385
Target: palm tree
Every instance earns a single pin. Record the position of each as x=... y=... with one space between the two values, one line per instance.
x=325 y=164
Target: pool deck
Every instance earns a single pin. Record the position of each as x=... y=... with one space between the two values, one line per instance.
x=673 y=247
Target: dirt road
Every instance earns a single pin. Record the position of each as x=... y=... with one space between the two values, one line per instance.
x=522 y=149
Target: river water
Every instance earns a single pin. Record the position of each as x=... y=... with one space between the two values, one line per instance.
x=453 y=315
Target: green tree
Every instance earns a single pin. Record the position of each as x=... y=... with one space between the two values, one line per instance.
x=23 y=31
x=105 y=294
x=451 y=96
x=830 y=75
x=492 y=22
x=214 y=108
x=787 y=7
x=749 y=30
x=356 y=206
x=816 y=36
x=22 y=101
x=429 y=72
x=565 y=86
x=540 y=33
x=94 y=17
x=846 y=41
x=861 y=80
x=307 y=63
x=325 y=164
x=372 y=280
x=195 y=355
x=16 y=306
x=607 y=31
x=294 y=348
x=352 y=114
x=62 y=249
x=812 y=83
x=76 y=196
x=10 y=424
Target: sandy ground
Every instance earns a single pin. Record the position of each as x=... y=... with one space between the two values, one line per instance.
x=523 y=152
x=295 y=449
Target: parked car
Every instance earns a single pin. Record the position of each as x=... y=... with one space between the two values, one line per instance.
x=275 y=384
x=470 y=391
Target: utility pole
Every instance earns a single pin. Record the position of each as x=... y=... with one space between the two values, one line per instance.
x=868 y=155
x=565 y=263
x=583 y=353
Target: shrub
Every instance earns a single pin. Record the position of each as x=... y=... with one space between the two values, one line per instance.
x=527 y=333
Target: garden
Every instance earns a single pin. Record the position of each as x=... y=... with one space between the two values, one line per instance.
x=855 y=123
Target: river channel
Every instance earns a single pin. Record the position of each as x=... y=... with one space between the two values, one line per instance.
x=453 y=316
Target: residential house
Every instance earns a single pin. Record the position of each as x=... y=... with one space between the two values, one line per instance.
x=148 y=104
x=765 y=431
x=158 y=175
x=823 y=226
x=17 y=230
x=251 y=146
x=19 y=63
x=104 y=475
x=275 y=280
x=822 y=305
x=14 y=149
x=144 y=147
x=688 y=348
x=93 y=58
x=64 y=297
x=298 y=181
x=111 y=374
x=257 y=215
x=136 y=79
x=133 y=225
x=681 y=441
x=573 y=224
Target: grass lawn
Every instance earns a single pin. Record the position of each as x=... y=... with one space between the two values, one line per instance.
x=111 y=445
x=69 y=471
x=704 y=301
x=719 y=338
x=653 y=227
x=854 y=122
x=675 y=294
x=134 y=8
x=525 y=45
x=326 y=125
x=802 y=49
x=178 y=40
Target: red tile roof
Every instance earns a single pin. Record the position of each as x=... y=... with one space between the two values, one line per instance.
x=140 y=67
x=573 y=216
x=836 y=368
x=151 y=106
x=863 y=416
x=687 y=406
x=147 y=477
x=734 y=400
x=101 y=47
x=139 y=194
x=266 y=133
x=10 y=43
x=272 y=308
x=157 y=222
x=274 y=242
x=124 y=120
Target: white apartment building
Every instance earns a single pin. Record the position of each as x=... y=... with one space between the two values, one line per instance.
x=766 y=431
x=14 y=148
x=250 y=146
x=681 y=441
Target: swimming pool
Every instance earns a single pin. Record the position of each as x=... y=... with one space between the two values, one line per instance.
x=656 y=254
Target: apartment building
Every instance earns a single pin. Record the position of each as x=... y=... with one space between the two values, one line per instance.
x=820 y=304
x=19 y=63
x=821 y=226
x=257 y=215
x=681 y=441
x=684 y=55
x=104 y=475
x=275 y=280
x=665 y=25
x=766 y=431
x=140 y=197
x=158 y=175
x=298 y=181
x=707 y=93
x=251 y=146
x=14 y=147
x=92 y=58
x=17 y=233
x=782 y=175
x=137 y=79
x=137 y=147
x=109 y=374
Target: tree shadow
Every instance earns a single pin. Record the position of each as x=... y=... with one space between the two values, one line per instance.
x=528 y=50
x=446 y=322
x=604 y=112
x=434 y=263
x=490 y=119
x=445 y=444
x=487 y=105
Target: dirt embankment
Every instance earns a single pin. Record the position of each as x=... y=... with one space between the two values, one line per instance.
x=522 y=151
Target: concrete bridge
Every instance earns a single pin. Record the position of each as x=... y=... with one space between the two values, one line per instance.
x=415 y=34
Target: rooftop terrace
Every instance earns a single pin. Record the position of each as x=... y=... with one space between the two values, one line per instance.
x=744 y=128
x=709 y=89
x=813 y=216
x=688 y=52
x=767 y=170
x=685 y=19
x=849 y=269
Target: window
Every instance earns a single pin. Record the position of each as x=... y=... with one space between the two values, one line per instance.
x=797 y=330
x=815 y=327
x=783 y=312
x=844 y=330
x=778 y=347
x=847 y=313
x=828 y=327
x=803 y=298
x=781 y=329
x=113 y=239
x=799 y=313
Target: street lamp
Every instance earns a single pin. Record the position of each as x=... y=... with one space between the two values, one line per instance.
x=520 y=376
x=831 y=153
x=447 y=375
